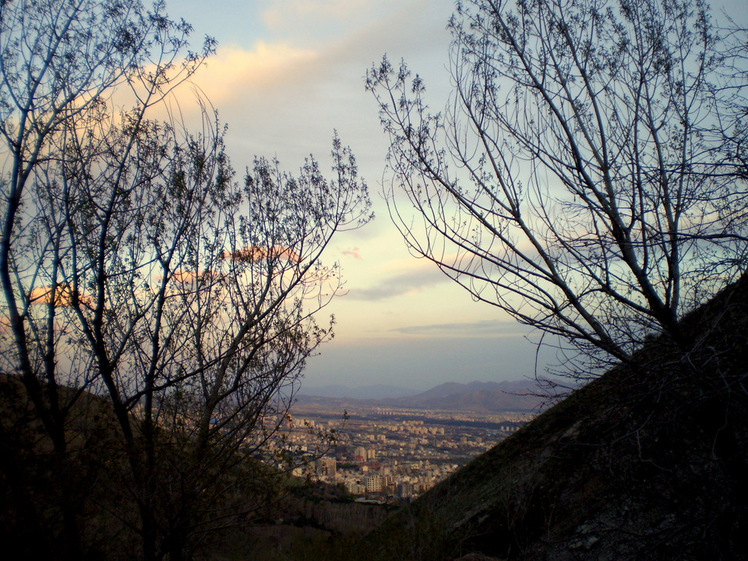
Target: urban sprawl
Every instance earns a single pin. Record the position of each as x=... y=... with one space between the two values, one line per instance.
x=388 y=455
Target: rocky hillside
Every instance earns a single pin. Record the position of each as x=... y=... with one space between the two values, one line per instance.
x=648 y=462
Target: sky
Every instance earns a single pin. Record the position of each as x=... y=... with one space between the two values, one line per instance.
x=286 y=75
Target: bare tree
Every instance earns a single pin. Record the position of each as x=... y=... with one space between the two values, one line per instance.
x=588 y=174
x=134 y=265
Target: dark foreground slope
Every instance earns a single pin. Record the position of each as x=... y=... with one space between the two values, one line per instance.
x=647 y=462
x=276 y=517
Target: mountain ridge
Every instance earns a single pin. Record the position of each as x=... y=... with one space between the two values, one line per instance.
x=513 y=395
x=343 y=391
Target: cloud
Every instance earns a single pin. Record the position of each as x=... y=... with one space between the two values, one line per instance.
x=484 y=328
x=404 y=283
x=354 y=252
x=182 y=276
x=63 y=296
x=233 y=71
x=257 y=253
x=186 y=276
x=308 y=40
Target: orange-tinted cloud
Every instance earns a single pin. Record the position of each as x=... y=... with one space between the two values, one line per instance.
x=257 y=253
x=182 y=276
x=187 y=276
x=228 y=76
x=63 y=295
x=354 y=252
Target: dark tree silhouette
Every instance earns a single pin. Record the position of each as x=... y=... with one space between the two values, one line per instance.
x=135 y=266
x=588 y=175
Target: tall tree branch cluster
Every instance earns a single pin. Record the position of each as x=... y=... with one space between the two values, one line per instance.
x=137 y=266
x=588 y=175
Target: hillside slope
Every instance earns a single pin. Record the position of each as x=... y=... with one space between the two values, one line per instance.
x=647 y=462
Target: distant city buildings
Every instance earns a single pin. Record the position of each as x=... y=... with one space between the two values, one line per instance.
x=373 y=483
x=388 y=456
x=327 y=468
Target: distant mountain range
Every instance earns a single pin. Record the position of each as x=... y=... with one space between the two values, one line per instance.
x=378 y=391
x=485 y=397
